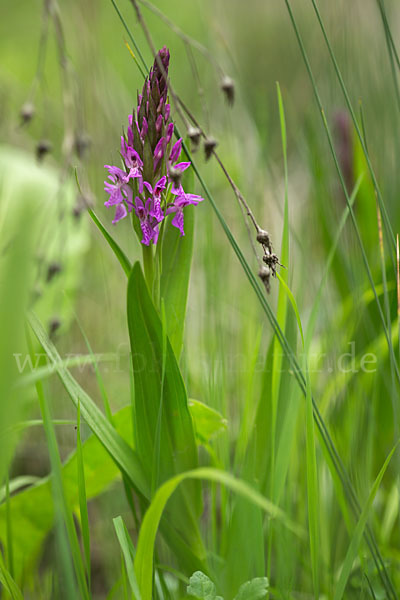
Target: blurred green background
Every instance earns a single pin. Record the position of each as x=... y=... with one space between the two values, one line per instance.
x=255 y=45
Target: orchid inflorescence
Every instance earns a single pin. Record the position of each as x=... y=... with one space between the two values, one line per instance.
x=150 y=182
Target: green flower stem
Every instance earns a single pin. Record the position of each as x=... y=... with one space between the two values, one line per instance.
x=148 y=265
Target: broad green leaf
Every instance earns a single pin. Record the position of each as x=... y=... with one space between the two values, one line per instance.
x=245 y=532
x=154 y=387
x=255 y=589
x=208 y=422
x=202 y=587
x=176 y=262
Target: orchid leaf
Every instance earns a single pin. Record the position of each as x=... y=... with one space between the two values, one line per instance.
x=176 y=263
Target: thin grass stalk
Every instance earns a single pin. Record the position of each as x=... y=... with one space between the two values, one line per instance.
x=382 y=206
x=10 y=553
x=391 y=49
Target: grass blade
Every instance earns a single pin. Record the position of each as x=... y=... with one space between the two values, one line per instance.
x=358 y=532
x=128 y=554
x=119 y=253
x=82 y=495
x=120 y=452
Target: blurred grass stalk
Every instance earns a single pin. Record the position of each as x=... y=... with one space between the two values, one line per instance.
x=17 y=232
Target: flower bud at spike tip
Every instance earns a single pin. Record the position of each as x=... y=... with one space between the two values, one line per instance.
x=209 y=146
x=228 y=87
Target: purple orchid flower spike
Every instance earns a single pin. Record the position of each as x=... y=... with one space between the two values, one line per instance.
x=151 y=159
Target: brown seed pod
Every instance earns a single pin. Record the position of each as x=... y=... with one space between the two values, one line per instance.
x=263 y=237
x=194 y=135
x=43 y=147
x=175 y=175
x=53 y=269
x=27 y=112
x=228 y=87
x=210 y=144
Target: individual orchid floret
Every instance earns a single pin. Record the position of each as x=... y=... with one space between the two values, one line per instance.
x=120 y=194
x=170 y=131
x=176 y=151
x=155 y=210
x=182 y=199
x=132 y=160
x=159 y=153
x=148 y=223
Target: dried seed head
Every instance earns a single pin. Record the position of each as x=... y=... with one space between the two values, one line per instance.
x=27 y=112
x=175 y=175
x=77 y=211
x=82 y=143
x=264 y=273
x=194 y=135
x=209 y=146
x=43 y=147
x=271 y=260
x=228 y=87
x=53 y=269
x=263 y=237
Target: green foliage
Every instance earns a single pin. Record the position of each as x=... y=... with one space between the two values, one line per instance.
x=32 y=509
x=208 y=422
x=256 y=589
x=160 y=393
x=176 y=262
x=202 y=587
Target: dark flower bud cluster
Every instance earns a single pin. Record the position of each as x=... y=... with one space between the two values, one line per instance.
x=150 y=182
